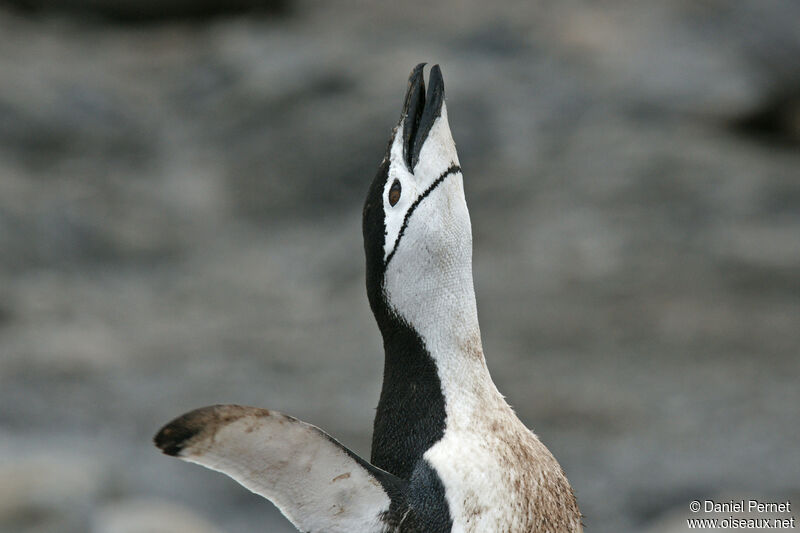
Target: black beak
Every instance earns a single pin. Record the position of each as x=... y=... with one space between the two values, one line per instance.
x=420 y=112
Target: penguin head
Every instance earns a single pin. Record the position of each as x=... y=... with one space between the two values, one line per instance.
x=417 y=234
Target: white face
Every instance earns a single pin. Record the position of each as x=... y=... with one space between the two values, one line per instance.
x=428 y=241
x=437 y=157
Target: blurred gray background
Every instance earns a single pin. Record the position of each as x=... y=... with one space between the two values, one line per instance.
x=180 y=201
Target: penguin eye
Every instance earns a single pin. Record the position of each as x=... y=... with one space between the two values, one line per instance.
x=394 y=193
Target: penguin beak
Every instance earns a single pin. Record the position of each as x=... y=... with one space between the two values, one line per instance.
x=420 y=111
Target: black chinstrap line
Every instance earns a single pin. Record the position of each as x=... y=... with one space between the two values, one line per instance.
x=454 y=169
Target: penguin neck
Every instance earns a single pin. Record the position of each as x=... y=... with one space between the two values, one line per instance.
x=446 y=319
x=439 y=305
x=433 y=355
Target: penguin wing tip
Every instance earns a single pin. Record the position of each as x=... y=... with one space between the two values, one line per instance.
x=176 y=436
x=168 y=443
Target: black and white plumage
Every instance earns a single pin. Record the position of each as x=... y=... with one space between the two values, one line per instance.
x=448 y=453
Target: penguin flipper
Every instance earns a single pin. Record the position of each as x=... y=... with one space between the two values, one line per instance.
x=317 y=483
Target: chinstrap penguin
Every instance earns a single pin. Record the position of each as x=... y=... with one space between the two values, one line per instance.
x=448 y=453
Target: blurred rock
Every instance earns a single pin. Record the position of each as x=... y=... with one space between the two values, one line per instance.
x=48 y=494
x=149 y=516
x=776 y=119
x=139 y=11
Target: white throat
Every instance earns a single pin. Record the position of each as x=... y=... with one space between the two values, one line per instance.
x=429 y=285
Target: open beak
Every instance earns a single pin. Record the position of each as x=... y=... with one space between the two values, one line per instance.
x=420 y=111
